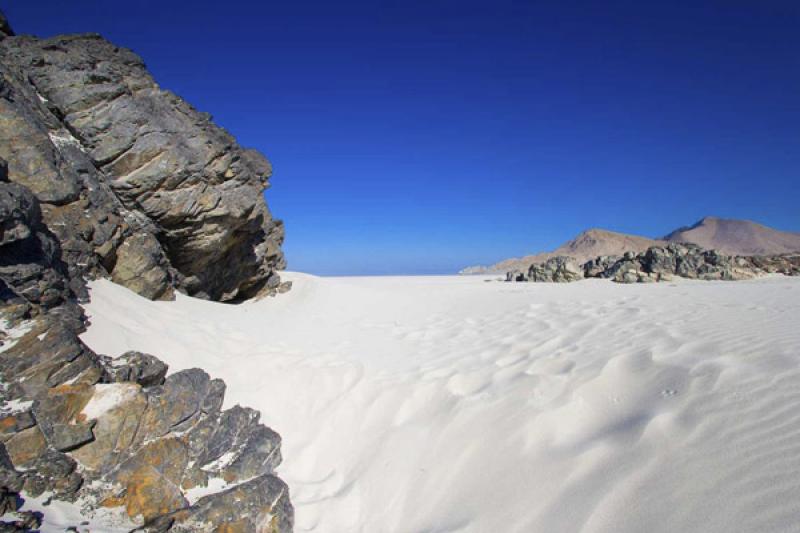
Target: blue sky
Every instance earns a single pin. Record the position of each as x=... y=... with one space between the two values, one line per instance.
x=420 y=137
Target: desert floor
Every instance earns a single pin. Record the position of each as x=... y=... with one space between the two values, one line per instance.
x=444 y=404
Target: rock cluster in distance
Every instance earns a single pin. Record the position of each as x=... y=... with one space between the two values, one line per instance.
x=660 y=263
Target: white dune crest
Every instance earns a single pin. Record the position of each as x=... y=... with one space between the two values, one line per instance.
x=444 y=404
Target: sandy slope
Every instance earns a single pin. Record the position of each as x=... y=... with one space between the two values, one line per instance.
x=453 y=404
x=737 y=237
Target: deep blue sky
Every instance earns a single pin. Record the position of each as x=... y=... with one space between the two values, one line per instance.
x=420 y=137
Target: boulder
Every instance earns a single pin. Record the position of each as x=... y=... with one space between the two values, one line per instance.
x=558 y=269
x=144 y=369
x=142 y=267
x=260 y=505
x=30 y=265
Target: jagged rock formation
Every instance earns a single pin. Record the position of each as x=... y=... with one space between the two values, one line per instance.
x=115 y=433
x=104 y=174
x=132 y=180
x=660 y=263
x=737 y=237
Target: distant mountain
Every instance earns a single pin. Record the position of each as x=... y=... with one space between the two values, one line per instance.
x=737 y=237
x=728 y=236
x=588 y=245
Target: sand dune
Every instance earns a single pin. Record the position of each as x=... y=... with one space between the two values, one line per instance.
x=450 y=404
x=737 y=237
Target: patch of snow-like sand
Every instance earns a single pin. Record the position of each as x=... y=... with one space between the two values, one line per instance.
x=444 y=404
x=59 y=515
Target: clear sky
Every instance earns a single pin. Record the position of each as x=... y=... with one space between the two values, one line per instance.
x=424 y=136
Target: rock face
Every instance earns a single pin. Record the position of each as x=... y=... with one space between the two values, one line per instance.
x=661 y=263
x=104 y=174
x=132 y=180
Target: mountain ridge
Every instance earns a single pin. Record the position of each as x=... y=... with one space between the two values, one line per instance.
x=736 y=237
x=728 y=236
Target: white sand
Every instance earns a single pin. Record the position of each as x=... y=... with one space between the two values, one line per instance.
x=59 y=515
x=108 y=396
x=444 y=404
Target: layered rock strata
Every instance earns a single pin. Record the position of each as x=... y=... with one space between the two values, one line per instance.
x=132 y=180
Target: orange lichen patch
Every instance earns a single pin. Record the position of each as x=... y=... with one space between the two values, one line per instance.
x=239 y=526
x=71 y=400
x=113 y=501
x=149 y=494
x=8 y=422
x=167 y=456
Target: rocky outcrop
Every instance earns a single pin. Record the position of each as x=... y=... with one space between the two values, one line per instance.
x=661 y=263
x=133 y=181
x=104 y=174
x=117 y=433
x=558 y=269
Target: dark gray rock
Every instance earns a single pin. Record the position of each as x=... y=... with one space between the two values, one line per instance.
x=560 y=269
x=53 y=472
x=516 y=275
x=163 y=159
x=15 y=422
x=142 y=267
x=30 y=265
x=10 y=479
x=179 y=401
x=27 y=521
x=595 y=268
x=261 y=453
x=251 y=449
x=9 y=501
x=66 y=437
x=261 y=504
x=144 y=369
x=5 y=27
